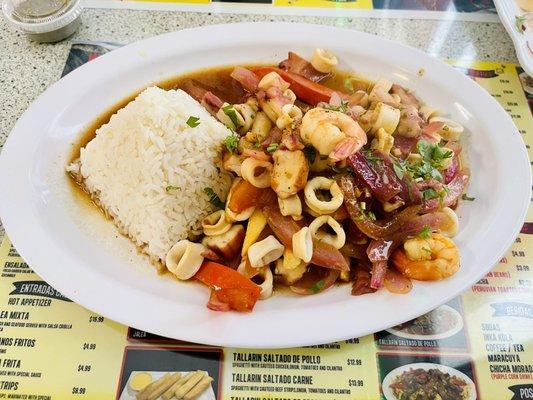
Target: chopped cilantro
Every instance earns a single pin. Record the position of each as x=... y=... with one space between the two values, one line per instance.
x=230 y=111
x=467 y=198
x=433 y=153
x=171 y=188
x=343 y=108
x=193 y=122
x=429 y=194
x=520 y=21
x=317 y=287
x=348 y=84
x=369 y=155
x=232 y=142
x=425 y=171
x=310 y=154
x=272 y=147
x=213 y=198
x=424 y=233
x=399 y=170
x=364 y=213
x=433 y=157
x=442 y=195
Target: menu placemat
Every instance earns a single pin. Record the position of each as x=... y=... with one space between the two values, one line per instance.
x=465 y=10
x=52 y=348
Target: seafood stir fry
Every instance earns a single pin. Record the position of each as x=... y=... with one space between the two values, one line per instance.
x=429 y=384
x=355 y=185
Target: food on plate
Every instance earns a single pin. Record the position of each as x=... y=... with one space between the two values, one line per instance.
x=244 y=178
x=140 y=380
x=169 y=393
x=169 y=386
x=431 y=384
x=434 y=322
x=200 y=387
x=155 y=389
x=197 y=383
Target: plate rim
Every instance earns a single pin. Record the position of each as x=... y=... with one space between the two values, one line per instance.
x=17 y=234
x=508 y=10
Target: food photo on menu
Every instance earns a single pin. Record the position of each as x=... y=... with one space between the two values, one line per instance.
x=265 y=210
x=169 y=373
x=405 y=377
x=441 y=328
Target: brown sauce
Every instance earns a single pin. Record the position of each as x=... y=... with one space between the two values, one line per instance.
x=337 y=81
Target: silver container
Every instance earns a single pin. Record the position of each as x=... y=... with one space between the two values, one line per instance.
x=43 y=20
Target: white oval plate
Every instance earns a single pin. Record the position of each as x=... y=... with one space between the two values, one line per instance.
x=509 y=11
x=457 y=326
x=389 y=395
x=80 y=254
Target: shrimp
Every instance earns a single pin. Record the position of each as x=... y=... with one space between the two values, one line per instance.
x=332 y=133
x=431 y=259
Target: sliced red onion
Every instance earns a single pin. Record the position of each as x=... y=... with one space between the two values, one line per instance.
x=379 y=176
x=455 y=189
x=361 y=284
x=246 y=78
x=379 y=268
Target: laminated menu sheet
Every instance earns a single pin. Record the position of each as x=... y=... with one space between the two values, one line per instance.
x=466 y=10
x=481 y=341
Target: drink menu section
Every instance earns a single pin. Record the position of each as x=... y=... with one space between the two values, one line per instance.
x=477 y=346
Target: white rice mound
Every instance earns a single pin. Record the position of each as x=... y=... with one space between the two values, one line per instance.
x=145 y=148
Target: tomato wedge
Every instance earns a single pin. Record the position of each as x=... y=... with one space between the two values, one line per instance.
x=306 y=90
x=228 y=287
